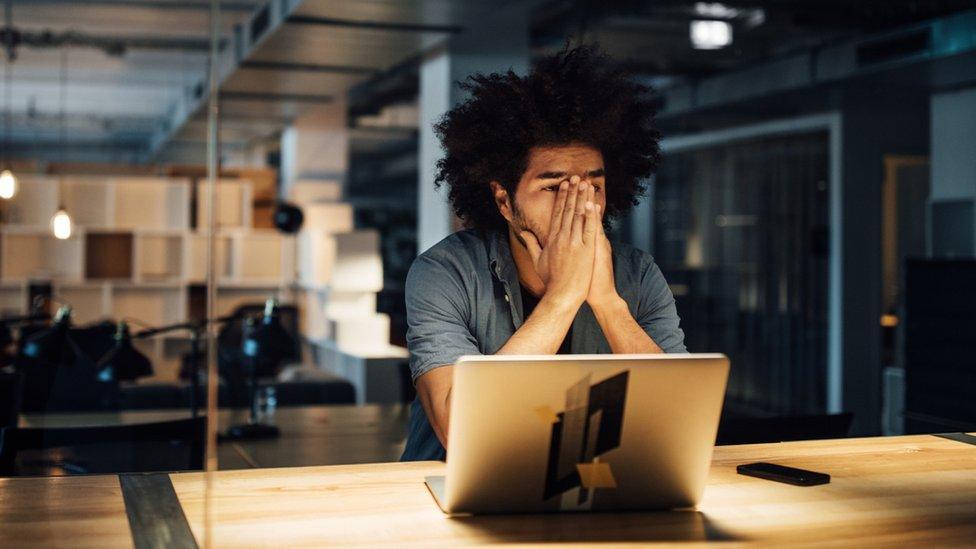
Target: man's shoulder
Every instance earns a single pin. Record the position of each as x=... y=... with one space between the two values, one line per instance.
x=461 y=250
x=635 y=260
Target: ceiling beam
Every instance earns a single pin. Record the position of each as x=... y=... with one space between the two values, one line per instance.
x=372 y=25
x=306 y=67
x=197 y=5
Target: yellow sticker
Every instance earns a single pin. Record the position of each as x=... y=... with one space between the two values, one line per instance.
x=546 y=414
x=596 y=475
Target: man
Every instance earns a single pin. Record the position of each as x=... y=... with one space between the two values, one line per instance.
x=535 y=166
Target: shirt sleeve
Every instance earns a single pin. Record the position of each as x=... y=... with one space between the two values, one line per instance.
x=657 y=313
x=437 y=316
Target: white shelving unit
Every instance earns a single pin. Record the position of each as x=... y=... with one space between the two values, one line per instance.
x=339 y=274
x=138 y=252
x=133 y=253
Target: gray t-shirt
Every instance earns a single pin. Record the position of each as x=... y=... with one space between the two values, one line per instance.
x=463 y=298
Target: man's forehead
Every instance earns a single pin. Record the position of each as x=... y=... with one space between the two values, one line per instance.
x=565 y=156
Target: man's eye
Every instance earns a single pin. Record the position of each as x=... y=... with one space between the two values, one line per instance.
x=597 y=189
x=551 y=188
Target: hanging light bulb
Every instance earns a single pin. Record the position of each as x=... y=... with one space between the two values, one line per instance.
x=8 y=185
x=61 y=224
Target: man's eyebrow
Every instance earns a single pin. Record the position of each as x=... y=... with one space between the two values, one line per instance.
x=551 y=175
x=599 y=172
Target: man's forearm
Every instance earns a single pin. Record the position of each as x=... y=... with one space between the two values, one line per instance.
x=545 y=329
x=541 y=334
x=623 y=333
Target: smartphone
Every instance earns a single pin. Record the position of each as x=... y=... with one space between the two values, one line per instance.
x=781 y=473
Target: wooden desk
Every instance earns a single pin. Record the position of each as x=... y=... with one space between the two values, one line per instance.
x=310 y=435
x=895 y=490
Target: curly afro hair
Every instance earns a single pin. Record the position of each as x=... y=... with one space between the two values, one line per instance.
x=575 y=96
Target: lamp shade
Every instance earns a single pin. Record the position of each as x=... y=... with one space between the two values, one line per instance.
x=265 y=339
x=51 y=345
x=124 y=362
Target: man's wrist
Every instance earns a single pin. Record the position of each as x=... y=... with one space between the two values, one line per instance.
x=611 y=304
x=560 y=303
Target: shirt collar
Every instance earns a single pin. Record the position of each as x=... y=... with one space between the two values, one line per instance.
x=500 y=258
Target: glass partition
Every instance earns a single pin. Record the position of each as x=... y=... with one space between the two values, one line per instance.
x=102 y=252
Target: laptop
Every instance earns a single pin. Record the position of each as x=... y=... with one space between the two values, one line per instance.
x=549 y=433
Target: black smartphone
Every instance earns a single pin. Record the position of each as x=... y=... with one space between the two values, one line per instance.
x=781 y=473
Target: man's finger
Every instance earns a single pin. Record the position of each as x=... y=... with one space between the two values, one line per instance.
x=557 y=209
x=592 y=220
x=532 y=244
x=569 y=210
x=579 y=212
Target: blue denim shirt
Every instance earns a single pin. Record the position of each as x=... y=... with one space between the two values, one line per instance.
x=463 y=298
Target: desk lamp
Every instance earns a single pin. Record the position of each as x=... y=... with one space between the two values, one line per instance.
x=264 y=340
x=51 y=345
x=124 y=362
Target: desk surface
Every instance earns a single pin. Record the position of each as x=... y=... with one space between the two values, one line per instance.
x=905 y=490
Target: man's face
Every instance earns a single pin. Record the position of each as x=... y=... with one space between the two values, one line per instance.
x=535 y=195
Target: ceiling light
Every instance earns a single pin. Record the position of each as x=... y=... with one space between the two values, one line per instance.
x=61 y=224
x=8 y=185
x=710 y=35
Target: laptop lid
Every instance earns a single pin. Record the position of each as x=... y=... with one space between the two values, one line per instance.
x=581 y=432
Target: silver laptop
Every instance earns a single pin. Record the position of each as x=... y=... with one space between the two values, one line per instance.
x=580 y=432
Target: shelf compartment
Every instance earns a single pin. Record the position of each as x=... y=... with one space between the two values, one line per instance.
x=152 y=203
x=358 y=266
x=89 y=302
x=90 y=201
x=34 y=204
x=233 y=204
x=14 y=300
x=108 y=255
x=152 y=305
x=330 y=217
x=196 y=257
x=159 y=257
x=33 y=255
x=263 y=256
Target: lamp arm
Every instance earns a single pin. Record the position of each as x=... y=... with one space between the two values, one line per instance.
x=193 y=326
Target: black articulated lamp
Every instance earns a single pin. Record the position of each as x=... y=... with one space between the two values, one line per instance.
x=6 y=332
x=127 y=363
x=51 y=345
x=124 y=362
x=265 y=342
